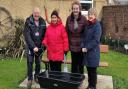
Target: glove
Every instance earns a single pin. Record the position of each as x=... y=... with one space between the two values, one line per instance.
x=43 y=47
x=65 y=52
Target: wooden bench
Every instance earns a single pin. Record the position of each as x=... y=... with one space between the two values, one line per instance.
x=103 y=49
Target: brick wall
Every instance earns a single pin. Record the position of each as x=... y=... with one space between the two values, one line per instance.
x=115 y=22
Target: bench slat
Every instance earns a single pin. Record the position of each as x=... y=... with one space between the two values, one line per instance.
x=103 y=49
x=102 y=64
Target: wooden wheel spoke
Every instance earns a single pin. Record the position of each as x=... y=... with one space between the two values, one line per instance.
x=1 y=30
x=2 y=25
x=0 y=14
x=6 y=20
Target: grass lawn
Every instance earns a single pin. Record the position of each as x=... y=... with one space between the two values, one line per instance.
x=12 y=72
x=118 y=68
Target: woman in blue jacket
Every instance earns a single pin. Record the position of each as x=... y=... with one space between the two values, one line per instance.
x=90 y=48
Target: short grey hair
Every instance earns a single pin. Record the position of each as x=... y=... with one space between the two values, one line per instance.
x=92 y=11
x=36 y=9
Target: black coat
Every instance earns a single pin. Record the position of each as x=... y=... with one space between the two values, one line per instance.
x=30 y=31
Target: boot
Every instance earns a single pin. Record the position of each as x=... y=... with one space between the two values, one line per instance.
x=90 y=87
x=29 y=84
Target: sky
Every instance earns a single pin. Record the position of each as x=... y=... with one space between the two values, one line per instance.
x=123 y=1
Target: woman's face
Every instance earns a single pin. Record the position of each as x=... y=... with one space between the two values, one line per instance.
x=91 y=17
x=54 y=19
x=76 y=10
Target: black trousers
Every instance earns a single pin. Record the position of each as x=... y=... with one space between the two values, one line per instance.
x=92 y=76
x=77 y=62
x=55 y=65
x=30 y=61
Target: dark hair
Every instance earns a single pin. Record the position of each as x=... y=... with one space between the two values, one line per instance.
x=55 y=13
x=77 y=3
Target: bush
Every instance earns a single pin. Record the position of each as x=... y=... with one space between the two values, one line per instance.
x=115 y=44
x=17 y=44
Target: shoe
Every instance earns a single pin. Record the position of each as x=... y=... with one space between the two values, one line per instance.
x=90 y=87
x=29 y=84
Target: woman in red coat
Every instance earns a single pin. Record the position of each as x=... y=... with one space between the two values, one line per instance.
x=56 y=41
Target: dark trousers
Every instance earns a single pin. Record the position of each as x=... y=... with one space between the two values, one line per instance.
x=92 y=76
x=30 y=61
x=55 y=65
x=77 y=62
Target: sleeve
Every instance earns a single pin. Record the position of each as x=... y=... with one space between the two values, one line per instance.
x=27 y=36
x=85 y=21
x=96 y=39
x=83 y=36
x=44 y=41
x=67 y=28
x=65 y=39
x=44 y=29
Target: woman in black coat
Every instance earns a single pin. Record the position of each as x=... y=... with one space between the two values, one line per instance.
x=90 y=47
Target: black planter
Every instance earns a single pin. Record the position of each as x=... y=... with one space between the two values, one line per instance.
x=60 y=80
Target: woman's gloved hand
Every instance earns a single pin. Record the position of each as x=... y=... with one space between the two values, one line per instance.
x=43 y=47
x=65 y=52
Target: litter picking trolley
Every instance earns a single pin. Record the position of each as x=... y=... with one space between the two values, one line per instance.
x=60 y=80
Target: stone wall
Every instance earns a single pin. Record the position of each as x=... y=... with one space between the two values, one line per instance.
x=23 y=8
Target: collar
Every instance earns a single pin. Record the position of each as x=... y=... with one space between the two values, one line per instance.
x=91 y=22
x=72 y=17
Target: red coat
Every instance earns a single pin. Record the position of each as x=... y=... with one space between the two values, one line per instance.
x=56 y=41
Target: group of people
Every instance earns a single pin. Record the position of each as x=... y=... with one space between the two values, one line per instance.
x=80 y=36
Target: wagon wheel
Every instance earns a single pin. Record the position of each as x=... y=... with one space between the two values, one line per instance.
x=6 y=21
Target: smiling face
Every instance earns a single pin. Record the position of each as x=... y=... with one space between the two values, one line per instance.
x=92 y=14
x=36 y=14
x=75 y=9
x=54 y=19
x=91 y=17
